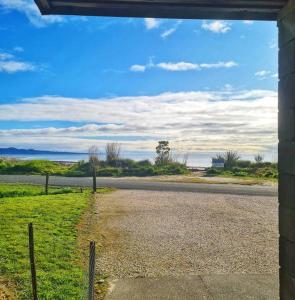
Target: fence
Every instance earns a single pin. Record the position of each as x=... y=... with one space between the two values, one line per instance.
x=33 y=266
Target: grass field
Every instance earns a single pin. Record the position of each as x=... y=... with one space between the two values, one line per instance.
x=55 y=217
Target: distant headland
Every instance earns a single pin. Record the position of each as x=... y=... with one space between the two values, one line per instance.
x=16 y=151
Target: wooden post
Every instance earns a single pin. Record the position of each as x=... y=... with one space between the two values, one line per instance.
x=46 y=184
x=94 y=180
x=32 y=261
x=286 y=160
x=91 y=270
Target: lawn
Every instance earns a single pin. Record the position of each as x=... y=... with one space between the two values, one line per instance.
x=60 y=273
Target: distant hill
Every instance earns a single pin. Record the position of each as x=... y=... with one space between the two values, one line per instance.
x=15 y=151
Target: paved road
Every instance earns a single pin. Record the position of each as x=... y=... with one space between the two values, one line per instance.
x=143 y=184
x=176 y=245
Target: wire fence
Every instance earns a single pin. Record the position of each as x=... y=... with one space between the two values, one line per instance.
x=43 y=258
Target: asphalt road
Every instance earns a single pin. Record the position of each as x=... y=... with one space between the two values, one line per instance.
x=143 y=184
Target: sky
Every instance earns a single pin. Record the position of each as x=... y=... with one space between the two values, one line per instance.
x=67 y=83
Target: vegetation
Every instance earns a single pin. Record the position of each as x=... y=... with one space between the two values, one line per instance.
x=234 y=166
x=126 y=167
x=55 y=217
x=113 y=151
x=18 y=167
x=21 y=190
x=93 y=165
x=112 y=166
x=163 y=153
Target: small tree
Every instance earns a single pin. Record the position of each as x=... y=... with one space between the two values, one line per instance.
x=258 y=158
x=163 y=153
x=93 y=164
x=230 y=158
x=113 y=151
x=219 y=156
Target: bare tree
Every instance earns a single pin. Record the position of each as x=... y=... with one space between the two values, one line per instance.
x=219 y=156
x=93 y=164
x=258 y=158
x=230 y=158
x=113 y=151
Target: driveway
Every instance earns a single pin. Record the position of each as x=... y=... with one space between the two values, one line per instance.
x=199 y=245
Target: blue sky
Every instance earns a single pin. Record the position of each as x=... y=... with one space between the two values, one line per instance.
x=69 y=82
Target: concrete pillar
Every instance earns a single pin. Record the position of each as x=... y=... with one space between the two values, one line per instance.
x=286 y=24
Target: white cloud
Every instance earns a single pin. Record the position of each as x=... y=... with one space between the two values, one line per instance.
x=273 y=45
x=151 y=23
x=216 y=26
x=165 y=34
x=264 y=74
x=179 y=66
x=248 y=22
x=137 y=68
x=183 y=66
x=168 y=32
x=18 y=49
x=9 y=64
x=15 y=66
x=31 y=11
x=193 y=121
x=221 y=64
x=5 y=56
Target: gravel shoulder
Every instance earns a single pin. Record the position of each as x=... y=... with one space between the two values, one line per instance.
x=152 y=233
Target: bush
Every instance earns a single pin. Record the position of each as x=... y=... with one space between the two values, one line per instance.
x=213 y=171
x=267 y=172
x=243 y=163
x=145 y=162
x=108 y=172
x=32 y=167
x=126 y=167
x=142 y=171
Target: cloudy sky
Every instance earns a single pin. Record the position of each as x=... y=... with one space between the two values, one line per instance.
x=69 y=82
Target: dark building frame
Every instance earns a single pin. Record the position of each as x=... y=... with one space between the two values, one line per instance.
x=283 y=11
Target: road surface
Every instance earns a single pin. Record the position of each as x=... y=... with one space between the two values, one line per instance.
x=144 y=184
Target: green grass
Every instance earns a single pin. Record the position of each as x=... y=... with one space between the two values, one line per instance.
x=55 y=218
x=20 y=190
x=256 y=178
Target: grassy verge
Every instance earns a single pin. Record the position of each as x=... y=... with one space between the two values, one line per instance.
x=259 y=180
x=60 y=273
x=20 y=190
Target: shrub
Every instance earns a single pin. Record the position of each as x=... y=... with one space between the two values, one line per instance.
x=213 y=171
x=33 y=167
x=108 y=172
x=243 y=163
x=141 y=171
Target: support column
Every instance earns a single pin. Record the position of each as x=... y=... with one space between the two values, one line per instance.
x=286 y=24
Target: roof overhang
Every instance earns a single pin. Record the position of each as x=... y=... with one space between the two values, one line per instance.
x=182 y=9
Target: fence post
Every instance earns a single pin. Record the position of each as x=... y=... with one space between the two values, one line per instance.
x=32 y=261
x=94 y=180
x=91 y=270
x=46 y=184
